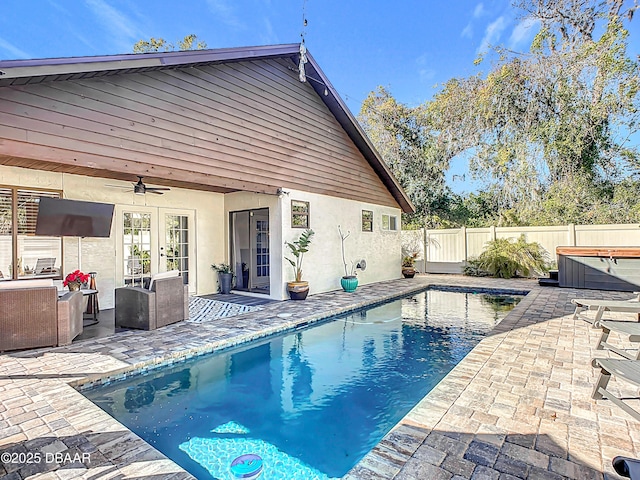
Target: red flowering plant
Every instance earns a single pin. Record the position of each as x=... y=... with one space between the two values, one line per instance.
x=76 y=277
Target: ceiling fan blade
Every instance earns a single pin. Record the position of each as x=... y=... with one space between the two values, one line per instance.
x=156 y=188
x=149 y=190
x=117 y=186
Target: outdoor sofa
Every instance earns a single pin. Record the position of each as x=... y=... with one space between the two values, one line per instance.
x=32 y=315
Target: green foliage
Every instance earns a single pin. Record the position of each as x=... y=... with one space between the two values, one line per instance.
x=298 y=248
x=404 y=137
x=222 y=268
x=547 y=131
x=189 y=42
x=409 y=261
x=472 y=268
x=506 y=258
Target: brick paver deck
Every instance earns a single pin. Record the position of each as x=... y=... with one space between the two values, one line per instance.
x=517 y=407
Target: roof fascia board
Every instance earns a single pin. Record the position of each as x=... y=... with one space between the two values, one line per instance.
x=358 y=135
x=71 y=65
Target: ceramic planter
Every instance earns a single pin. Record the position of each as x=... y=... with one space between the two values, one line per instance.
x=225 y=282
x=408 y=272
x=298 y=290
x=349 y=284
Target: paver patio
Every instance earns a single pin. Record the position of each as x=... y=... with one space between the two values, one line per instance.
x=518 y=406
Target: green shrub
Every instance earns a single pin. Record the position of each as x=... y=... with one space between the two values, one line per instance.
x=507 y=258
x=472 y=269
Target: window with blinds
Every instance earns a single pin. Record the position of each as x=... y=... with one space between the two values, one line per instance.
x=22 y=254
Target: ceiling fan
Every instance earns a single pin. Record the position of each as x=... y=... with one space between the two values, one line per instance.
x=139 y=188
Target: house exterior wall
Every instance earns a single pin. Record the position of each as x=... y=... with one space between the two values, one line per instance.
x=101 y=254
x=248 y=126
x=322 y=266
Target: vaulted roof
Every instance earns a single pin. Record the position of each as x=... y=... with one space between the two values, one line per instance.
x=35 y=71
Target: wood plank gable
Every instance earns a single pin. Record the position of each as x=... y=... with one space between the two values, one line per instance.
x=248 y=125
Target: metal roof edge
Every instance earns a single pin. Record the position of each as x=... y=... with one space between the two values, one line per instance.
x=351 y=125
x=69 y=65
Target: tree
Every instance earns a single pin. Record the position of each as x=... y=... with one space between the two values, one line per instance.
x=403 y=137
x=562 y=111
x=555 y=119
x=189 y=42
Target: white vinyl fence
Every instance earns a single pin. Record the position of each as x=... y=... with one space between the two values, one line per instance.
x=446 y=251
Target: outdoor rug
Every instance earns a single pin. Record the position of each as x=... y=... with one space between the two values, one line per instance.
x=203 y=310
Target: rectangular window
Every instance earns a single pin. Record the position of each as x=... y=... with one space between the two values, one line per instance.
x=299 y=214
x=22 y=254
x=389 y=222
x=367 y=221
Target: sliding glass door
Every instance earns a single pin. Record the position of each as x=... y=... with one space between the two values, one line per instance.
x=250 y=250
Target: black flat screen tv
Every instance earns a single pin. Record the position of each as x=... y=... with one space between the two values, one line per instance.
x=58 y=217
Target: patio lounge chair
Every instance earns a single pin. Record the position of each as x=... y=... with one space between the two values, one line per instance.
x=165 y=302
x=45 y=266
x=632 y=329
x=627 y=467
x=601 y=306
x=623 y=369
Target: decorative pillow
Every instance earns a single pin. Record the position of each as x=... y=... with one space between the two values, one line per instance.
x=158 y=276
x=40 y=282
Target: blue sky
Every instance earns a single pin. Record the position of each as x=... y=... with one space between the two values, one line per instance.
x=408 y=46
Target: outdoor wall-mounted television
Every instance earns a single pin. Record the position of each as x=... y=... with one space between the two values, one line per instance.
x=73 y=218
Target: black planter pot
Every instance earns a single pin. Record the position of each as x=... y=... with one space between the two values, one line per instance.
x=298 y=290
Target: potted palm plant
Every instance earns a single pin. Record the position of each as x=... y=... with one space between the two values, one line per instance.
x=225 y=276
x=299 y=289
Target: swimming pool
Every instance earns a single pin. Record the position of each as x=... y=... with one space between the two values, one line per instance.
x=310 y=403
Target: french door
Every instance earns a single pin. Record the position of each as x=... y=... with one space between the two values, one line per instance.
x=155 y=240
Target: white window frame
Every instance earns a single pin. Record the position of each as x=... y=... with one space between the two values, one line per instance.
x=389 y=222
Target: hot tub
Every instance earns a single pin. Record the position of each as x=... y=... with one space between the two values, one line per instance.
x=599 y=268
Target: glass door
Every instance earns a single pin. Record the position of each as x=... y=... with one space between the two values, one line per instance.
x=137 y=252
x=250 y=254
x=155 y=240
x=260 y=277
x=175 y=245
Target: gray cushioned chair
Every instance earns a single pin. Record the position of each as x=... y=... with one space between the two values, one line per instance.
x=164 y=303
x=32 y=315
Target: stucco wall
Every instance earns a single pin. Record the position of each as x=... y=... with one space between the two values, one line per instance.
x=99 y=254
x=323 y=266
x=239 y=201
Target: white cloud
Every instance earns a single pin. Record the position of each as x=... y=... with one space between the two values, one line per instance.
x=521 y=33
x=492 y=34
x=467 y=32
x=122 y=27
x=479 y=10
x=14 y=51
x=426 y=75
x=225 y=12
x=59 y=7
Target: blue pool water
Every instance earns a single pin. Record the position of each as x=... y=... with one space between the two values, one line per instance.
x=310 y=403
